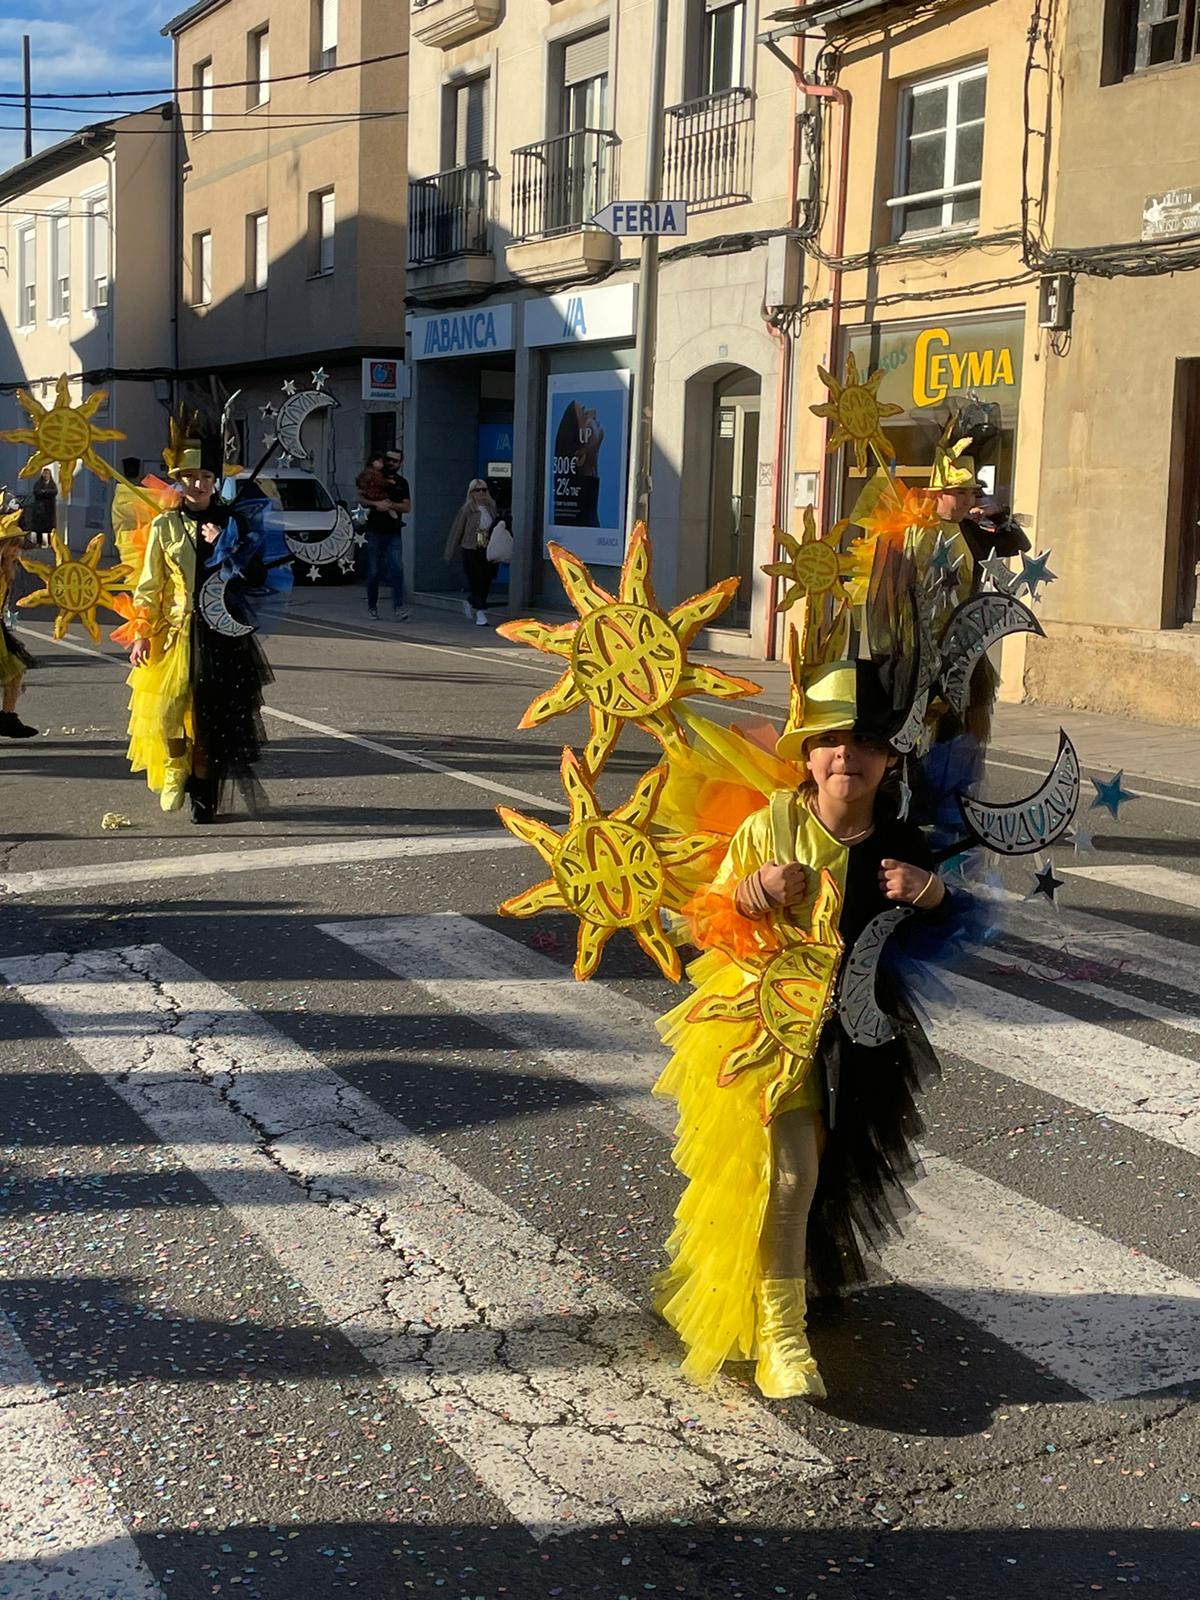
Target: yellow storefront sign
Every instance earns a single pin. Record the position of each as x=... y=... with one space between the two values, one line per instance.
x=939 y=370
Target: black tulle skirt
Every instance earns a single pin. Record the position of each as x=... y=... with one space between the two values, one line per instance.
x=228 y=678
x=870 y=1156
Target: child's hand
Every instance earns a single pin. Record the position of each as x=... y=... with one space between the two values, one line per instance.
x=210 y=533
x=910 y=885
x=784 y=885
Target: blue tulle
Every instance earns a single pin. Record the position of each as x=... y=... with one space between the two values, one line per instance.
x=922 y=948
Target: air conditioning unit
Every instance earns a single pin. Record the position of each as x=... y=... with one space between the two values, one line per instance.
x=1056 y=297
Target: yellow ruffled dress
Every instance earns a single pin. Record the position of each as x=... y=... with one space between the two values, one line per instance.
x=160 y=710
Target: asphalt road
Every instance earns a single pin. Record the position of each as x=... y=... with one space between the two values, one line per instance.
x=329 y=1201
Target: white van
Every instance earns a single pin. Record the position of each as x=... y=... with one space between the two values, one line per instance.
x=303 y=506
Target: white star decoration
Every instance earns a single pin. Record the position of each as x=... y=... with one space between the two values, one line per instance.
x=289 y=388
x=1004 y=580
x=270 y=439
x=313 y=574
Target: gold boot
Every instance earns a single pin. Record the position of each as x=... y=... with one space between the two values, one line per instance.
x=786 y=1365
x=175 y=777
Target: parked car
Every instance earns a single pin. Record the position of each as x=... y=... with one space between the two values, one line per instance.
x=307 y=510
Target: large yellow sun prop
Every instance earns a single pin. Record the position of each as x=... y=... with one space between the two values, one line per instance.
x=609 y=871
x=858 y=412
x=63 y=436
x=815 y=568
x=76 y=586
x=784 y=1003
x=626 y=659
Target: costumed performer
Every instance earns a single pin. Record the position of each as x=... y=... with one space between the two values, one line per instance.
x=196 y=688
x=14 y=658
x=795 y=1140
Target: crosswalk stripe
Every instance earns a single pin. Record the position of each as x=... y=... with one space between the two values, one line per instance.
x=1126 y=950
x=1160 y=883
x=559 y=1393
x=62 y=1538
x=1070 y=982
x=973 y=1233
x=333 y=852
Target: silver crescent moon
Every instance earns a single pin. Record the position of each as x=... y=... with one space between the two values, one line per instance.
x=335 y=546
x=906 y=736
x=977 y=624
x=216 y=613
x=291 y=418
x=861 y=1015
x=1023 y=826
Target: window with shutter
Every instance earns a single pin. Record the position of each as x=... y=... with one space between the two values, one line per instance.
x=471 y=110
x=585 y=82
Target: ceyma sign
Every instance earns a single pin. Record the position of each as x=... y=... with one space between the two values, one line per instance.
x=474 y=332
x=582 y=316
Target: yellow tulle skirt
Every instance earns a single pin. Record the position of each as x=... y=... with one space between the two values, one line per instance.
x=708 y=1291
x=159 y=705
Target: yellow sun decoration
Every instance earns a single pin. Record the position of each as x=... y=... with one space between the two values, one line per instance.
x=785 y=1001
x=858 y=412
x=816 y=567
x=64 y=435
x=76 y=585
x=626 y=659
x=609 y=871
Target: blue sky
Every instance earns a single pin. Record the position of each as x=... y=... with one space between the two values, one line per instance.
x=80 y=45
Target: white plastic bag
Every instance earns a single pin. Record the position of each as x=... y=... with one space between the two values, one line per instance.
x=500 y=544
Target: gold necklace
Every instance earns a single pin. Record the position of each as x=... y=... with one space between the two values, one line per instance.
x=848 y=838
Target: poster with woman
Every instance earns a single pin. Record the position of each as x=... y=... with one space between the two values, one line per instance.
x=587 y=452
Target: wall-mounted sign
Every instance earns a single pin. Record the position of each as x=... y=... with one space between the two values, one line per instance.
x=582 y=316
x=475 y=332
x=928 y=365
x=587 y=453
x=633 y=219
x=1166 y=216
x=385 y=378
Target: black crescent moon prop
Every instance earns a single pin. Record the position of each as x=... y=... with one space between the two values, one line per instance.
x=335 y=546
x=972 y=630
x=291 y=418
x=216 y=613
x=860 y=1012
x=1023 y=826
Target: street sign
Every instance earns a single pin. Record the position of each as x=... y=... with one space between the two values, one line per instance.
x=631 y=219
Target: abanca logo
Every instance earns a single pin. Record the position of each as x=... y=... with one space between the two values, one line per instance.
x=444 y=335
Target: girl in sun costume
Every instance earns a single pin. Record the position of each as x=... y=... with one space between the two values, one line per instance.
x=195 y=724
x=14 y=658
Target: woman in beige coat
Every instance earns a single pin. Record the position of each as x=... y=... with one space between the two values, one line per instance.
x=468 y=537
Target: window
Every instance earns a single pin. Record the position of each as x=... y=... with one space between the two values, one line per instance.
x=324 y=35
x=258 y=68
x=202 y=83
x=1152 y=33
x=468 y=121
x=95 y=242
x=584 y=96
x=60 y=265
x=26 y=275
x=201 y=269
x=256 y=251
x=320 y=232
x=722 y=46
x=941 y=155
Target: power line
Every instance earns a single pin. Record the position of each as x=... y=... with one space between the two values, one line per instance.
x=247 y=127
x=203 y=88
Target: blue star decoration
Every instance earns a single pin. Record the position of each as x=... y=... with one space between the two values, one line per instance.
x=941 y=560
x=1110 y=794
x=1047 y=884
x=1034 y=570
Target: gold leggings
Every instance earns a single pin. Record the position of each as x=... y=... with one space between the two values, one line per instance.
x=796 y=1140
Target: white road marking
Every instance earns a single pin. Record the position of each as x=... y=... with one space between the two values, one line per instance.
x=1142 y=954
x=1160 y=883
x=1023 y=966
x=559 y=1392
x=335 y=852
x=1011 y=1259
x=62 y=1538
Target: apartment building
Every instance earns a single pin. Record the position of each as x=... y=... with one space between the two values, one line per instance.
x=1120 y=472
x=85 y=245
x=526 y=120
x=292 y=227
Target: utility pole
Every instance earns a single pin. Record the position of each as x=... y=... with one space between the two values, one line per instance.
x=28 y=97
x=641 y=456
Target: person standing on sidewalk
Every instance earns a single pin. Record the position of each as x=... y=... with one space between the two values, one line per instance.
x=43 y=512
x=468 y=537
x=385 y=494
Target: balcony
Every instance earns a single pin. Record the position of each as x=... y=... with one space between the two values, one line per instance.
x=450 y=229
x=558 y=186
x=442 y=23
x=709 y=150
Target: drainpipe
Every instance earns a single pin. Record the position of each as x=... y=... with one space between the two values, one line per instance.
x=841 y=98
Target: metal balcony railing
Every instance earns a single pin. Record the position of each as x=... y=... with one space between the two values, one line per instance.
x=450 y=214
x=709 y=149
x=559 y=184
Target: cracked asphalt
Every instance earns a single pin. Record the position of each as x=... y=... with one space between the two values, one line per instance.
x=322 y=1280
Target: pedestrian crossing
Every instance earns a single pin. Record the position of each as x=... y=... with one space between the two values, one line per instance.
x=549 y=1382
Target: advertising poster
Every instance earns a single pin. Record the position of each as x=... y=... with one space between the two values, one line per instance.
x=587 y=451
